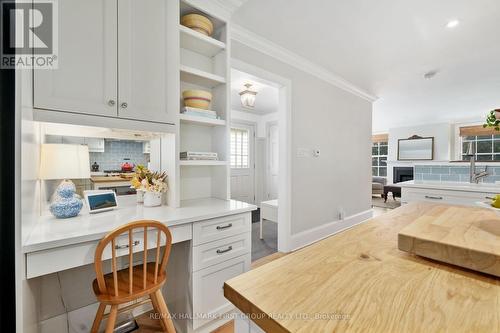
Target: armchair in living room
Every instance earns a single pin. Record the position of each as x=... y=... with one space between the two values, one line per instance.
x=378 y=184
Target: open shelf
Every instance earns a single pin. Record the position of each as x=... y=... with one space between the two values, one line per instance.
x=199 y=43
x=199 y=77
x=202 y=163
x=201 y=120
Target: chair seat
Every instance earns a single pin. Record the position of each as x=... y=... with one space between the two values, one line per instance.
x=138 y=290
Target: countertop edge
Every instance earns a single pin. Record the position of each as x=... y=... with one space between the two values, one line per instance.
x=443 y=186
x=30 y=248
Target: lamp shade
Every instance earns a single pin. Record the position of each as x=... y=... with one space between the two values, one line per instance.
x=60 y=161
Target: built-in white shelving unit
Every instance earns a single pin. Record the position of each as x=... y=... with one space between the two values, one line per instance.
x=199 y=43
x=188 y=119
x=204 y=65
x=200 y=77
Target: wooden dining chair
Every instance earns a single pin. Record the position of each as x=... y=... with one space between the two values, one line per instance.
x=132 y=283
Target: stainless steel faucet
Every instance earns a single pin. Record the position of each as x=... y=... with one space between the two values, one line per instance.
x=474 y=176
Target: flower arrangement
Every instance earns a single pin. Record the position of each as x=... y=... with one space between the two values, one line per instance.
x=148 y=181
x=155 y=182
x=141 y=173
x=149 y=185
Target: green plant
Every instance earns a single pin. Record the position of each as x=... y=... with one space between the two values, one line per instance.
x=492 y=121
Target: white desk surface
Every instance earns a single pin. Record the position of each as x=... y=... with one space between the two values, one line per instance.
x=50 y=232
x=272 y=203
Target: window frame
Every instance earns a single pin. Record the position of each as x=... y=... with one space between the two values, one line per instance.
x=492 y=138
x=239 y=155
x=378 y=156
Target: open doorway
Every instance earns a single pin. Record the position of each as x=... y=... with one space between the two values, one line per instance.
x=255 y=173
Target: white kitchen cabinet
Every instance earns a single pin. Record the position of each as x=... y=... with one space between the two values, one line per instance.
x=73 y=140
x=112 y=61
x=96 y=145
x=146 y=147
x=85 y=81
x=142 y=46
x=208 y=288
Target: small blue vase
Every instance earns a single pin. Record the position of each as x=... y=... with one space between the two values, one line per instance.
x=65 y=202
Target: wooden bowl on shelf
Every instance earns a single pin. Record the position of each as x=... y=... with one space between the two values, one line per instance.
x=199 y=23
x=199 y=99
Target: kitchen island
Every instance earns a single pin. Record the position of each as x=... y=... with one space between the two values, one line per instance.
x=358 y=281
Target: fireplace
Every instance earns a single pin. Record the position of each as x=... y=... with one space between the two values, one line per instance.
x=402 y=174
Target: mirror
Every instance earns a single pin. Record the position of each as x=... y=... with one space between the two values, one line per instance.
x=416 y=148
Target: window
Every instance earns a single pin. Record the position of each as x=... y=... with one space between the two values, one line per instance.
x=379 y=159
x=487 y=147
x=239 y=148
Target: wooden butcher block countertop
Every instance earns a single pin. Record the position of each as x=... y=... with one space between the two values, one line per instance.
x=358 y=281
x=108 y=179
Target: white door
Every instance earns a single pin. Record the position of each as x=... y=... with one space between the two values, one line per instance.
x=85 y=81
x=272 y=161
x=142 y=47
x=242 y=163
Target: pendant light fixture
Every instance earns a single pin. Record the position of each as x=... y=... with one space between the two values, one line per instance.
x=248 y=96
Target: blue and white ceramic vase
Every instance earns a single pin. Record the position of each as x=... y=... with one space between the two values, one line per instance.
x=65 y=202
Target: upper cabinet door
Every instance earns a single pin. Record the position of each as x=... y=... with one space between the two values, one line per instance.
x=142 y=60
x=85 y=81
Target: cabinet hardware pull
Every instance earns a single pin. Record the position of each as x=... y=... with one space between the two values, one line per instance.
x=120 y=247
x=489 y=198
x=222 y=227
x=111 y=102
x=433 y=198
x=124 y=105
x=224 y=251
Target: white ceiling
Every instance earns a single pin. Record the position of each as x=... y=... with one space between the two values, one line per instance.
x=386 y=46
x=267 y=98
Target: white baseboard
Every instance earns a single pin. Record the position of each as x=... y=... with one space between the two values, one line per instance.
x=308 y=237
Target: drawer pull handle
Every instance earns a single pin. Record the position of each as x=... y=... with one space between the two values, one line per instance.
x=224 y=251
x=222 y=227
x=433 y=198
x=121 y=247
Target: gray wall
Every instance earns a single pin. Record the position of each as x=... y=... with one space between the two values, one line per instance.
x=337 y=122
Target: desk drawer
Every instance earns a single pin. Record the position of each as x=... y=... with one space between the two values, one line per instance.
x=208 y=293
x=212 y=253
x=215 y=229
x=57 y=259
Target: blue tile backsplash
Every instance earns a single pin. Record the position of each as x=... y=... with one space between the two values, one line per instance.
x=114 y=153
x=453 y=173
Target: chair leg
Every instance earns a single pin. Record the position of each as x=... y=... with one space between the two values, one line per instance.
x=110 y=327
x=98 y=318
x=157 y=309
x=165 y=315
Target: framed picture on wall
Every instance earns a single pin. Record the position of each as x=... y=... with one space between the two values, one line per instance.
x=416 y=148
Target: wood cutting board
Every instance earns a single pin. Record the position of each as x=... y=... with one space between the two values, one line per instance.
x=464 y=236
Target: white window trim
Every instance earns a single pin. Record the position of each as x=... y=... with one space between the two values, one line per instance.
x=378 y=156
x=241 y=166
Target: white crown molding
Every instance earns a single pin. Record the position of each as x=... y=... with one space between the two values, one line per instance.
x=274 y=50
x=230 y=6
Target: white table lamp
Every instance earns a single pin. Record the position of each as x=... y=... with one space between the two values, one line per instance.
x=60 y=161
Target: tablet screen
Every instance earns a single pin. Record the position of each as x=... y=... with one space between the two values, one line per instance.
x=101 y=201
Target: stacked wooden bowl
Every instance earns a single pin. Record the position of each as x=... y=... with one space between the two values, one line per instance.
x=199 y=99
x=199 y=23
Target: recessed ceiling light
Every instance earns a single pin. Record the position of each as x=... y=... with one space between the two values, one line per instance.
x=452 y=24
